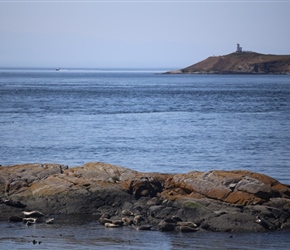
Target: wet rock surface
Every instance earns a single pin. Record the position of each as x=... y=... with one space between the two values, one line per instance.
x=232 y=201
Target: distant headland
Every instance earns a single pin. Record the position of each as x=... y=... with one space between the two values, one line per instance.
x=240 y=62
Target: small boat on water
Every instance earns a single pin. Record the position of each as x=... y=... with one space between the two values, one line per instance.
x=57 y=69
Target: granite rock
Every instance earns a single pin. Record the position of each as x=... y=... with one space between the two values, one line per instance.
x=214 y=201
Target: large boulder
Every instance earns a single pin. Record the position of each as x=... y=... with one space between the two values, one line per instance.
x=216 y=200
x=235 y=187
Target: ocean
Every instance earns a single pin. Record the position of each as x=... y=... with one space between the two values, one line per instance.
x=150 y=122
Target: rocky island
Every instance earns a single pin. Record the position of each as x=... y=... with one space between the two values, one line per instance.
x=232 y=201
x=240 y=62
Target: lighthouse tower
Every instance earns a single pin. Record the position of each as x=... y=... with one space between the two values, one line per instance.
x=239 y=48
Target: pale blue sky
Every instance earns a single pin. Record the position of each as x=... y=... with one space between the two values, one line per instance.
x=137 y=34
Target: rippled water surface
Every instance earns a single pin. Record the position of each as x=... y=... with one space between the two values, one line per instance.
x=148 y=122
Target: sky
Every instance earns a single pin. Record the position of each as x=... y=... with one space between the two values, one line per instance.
x=137 y=34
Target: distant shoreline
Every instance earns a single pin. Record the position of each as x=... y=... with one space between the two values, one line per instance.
x=240 y=63
x=174 y=72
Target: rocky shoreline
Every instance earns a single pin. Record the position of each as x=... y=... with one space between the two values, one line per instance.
x=225 y=201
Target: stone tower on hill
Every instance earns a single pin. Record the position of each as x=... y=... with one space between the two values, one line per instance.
x=239 y=48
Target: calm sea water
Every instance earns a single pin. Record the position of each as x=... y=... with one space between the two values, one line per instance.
x=148 y=122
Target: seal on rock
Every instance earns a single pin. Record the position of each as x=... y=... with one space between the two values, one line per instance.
x=127 y=221
x=29 y=223
x=49 y=221
x=118 y=222
x=187 y=226
x=127 y=213
x=33 y=214
x=112 y=225
x=137 y=219
x=105 y=218
x=29 y=220
x=165 y=226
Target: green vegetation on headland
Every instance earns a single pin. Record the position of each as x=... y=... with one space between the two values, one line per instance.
x=239 y=63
